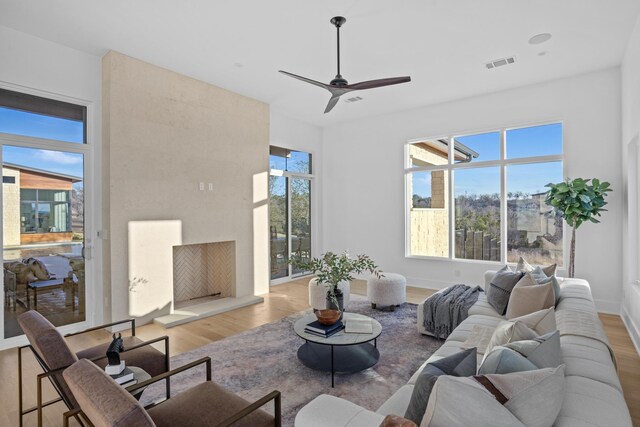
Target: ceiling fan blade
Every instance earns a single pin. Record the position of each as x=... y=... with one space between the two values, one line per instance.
x=332 y=102
x=304 y=79
x=371 y=84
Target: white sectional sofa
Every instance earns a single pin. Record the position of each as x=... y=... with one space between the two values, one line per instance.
x=593 y=395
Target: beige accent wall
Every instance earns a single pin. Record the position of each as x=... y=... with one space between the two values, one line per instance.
x=163 y=134
x=430 y=232
x=11 y=208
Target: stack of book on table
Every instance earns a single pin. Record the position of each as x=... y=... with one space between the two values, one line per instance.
x=317 y=328
x=125 y=378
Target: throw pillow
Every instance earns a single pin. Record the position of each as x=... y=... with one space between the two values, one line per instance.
x=523 y=328
x=528 y=296
x=531 y=398
x=524 y=267
x=526 y=355
x=556 y=287
x=500 y=288
x=461 y=364
x=543 y=351
x=542 y=279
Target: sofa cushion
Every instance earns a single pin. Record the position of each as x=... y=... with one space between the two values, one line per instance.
x=589 y=358
x=526 y=355
x=500 y=288
x=398 y=402
x=462 y=364
x=483 y=307
x=327 y=410
x=532 y=399
x=528 y=296
x=592 y=403
x=203 y=404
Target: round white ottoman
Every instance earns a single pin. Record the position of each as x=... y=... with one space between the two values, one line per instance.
x=389 y=290
x=318 y=294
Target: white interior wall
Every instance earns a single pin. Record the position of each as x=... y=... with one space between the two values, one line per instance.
x=363 y=181
x=630 y=137
x=34 y=65
x=287 y=132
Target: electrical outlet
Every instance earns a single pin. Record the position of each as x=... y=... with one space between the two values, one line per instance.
x=201 y=186
x=210 y=187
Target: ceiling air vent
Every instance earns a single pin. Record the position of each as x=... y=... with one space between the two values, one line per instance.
x=354 y=99
x=500 y=62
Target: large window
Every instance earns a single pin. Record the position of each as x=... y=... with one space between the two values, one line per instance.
x=44 y=151
x=481 y=196
x=45 y=211
x=289 y=210
x=34 y=116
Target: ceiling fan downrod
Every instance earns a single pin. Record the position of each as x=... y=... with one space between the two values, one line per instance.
x=338 y=21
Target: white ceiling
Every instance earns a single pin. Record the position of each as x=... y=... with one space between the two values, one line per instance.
x=441 y=44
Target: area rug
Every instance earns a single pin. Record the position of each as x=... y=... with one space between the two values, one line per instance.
x=262 y=359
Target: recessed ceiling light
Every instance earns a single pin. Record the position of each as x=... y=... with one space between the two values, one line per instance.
x=540 y=38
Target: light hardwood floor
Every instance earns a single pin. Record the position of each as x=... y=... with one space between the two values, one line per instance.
x=283 y=300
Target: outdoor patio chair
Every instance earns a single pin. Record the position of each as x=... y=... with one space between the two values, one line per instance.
x=54 y=356
x=104 y=403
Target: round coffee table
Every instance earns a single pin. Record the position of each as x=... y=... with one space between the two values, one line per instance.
x=341 y=352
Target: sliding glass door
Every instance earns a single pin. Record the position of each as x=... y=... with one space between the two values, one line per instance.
x=289 y=211
x=45 y=238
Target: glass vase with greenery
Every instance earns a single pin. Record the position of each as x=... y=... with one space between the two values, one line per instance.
x=577 y=201
x=331 y=269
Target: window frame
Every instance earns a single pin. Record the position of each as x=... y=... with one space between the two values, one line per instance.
x=451 y=166
x=91 y=151
x=289 y=175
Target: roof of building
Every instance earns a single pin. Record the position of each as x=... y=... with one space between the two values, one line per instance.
x=71 y=178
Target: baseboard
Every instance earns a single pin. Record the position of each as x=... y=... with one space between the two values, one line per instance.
x=632 y=328
x=607 y=306
x=428 y=283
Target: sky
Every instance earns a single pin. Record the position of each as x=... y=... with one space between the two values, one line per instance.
x=37 y=125
x=525 y=142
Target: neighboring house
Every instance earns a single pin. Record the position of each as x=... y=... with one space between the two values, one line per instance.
x=429 y=224
x=533 y=224
x=36 y=205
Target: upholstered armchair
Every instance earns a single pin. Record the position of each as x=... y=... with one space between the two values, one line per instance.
x=54 y=355
x=102 y=402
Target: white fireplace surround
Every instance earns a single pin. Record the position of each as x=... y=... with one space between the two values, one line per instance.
x=152 y=245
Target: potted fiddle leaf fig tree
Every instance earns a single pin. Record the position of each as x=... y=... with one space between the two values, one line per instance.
x=577 y=201
x=332 y=269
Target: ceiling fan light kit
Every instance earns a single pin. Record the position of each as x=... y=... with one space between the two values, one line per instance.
x=339 y=85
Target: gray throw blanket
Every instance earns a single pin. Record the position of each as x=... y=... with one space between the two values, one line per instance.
x=445 y=310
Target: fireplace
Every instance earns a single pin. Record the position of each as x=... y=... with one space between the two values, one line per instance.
x=203 y=272
x=171 y=281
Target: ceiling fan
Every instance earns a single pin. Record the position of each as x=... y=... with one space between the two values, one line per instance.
x=339 y=86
